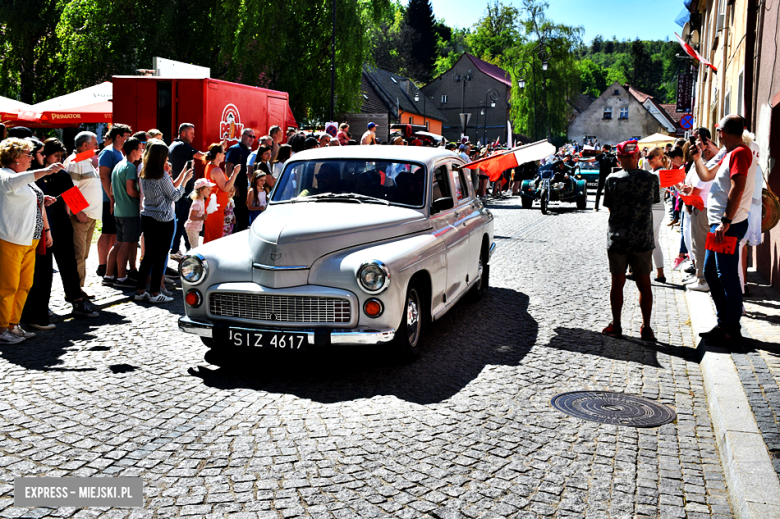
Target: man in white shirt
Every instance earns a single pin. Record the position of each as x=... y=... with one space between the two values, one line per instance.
x=86 y=178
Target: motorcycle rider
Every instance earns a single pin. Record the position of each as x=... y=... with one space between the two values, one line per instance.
x=607 y=160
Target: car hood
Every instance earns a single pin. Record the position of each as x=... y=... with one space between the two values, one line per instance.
x=297 y=234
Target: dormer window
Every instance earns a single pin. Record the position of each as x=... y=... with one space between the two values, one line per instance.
x=616 y=92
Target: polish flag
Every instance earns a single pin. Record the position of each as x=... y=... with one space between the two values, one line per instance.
x=496 y=164
x=690 y=51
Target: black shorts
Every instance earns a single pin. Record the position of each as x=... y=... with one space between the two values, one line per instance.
x=109 y=224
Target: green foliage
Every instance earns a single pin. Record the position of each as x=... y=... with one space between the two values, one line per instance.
x=495 y=33
x=419 y=38
x=593 y=78
x=450 y=50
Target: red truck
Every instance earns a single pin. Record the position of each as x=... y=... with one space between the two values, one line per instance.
x=218 y=109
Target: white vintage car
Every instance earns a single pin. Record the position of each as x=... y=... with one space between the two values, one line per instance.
x=360 y=245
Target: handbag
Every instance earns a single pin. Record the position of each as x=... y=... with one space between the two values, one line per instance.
x=770 y=208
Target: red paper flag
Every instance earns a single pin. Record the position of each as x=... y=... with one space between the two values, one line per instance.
x=75 y=200
x=693 y=201
x=84 y=155
x=727 y=246
x=671 y=177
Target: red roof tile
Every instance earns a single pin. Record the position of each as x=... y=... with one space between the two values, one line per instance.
x=491 y=70
x=671 y=111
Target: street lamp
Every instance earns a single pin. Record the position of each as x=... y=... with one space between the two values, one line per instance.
x=417 y=100
x=491 y=95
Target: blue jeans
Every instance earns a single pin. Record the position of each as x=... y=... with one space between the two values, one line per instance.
x=182 y=214
x=722 y=274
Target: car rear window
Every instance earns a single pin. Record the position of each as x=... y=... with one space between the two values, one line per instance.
x=401 y=183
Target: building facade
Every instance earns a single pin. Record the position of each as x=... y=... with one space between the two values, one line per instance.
x=620 y=113
x=389 y=98
x=477 y=88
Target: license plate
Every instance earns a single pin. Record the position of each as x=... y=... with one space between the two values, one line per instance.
x=267 y=340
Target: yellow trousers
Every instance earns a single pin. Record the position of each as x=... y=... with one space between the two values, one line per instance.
x=17 y=266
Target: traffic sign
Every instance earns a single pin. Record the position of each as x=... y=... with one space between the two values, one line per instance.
x=686 y=123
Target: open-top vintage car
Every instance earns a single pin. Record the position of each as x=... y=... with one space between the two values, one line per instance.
x=554 y=185
x=360 y=245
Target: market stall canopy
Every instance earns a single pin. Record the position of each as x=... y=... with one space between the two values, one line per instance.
x=10 y=108
x=655 y=139
x=90 y=105
x=497 y=164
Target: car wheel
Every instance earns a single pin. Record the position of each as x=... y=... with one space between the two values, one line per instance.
x=526 y=201
x=582 y=201
x=408 y=337
x=479 y=289
x=543 y=200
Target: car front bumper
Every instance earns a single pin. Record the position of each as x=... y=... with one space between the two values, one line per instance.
x=315 y=337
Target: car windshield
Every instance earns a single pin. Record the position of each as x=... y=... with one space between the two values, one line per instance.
x=378 y=181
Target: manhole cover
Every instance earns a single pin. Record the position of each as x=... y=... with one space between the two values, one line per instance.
x=613 y=408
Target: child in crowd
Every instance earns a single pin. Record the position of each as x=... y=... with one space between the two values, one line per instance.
x=256 y=198
x=194 y=223
x=230 y=217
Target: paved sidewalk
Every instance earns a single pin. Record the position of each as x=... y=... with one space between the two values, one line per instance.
x=742 y=392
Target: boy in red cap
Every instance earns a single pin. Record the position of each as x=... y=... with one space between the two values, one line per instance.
x=629 y=194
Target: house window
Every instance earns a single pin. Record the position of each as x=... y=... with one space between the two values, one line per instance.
x=427 y=125
x=740 y=93
x=608 y=113
x=443 y=98
x=616 y=92
x=411 y=120
x=624 y=113
x=727 y=104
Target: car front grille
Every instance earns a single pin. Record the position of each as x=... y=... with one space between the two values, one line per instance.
x=284 y=309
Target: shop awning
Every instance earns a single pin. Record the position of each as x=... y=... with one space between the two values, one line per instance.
x=89 y=105
x=497 y=164
x=690 y=51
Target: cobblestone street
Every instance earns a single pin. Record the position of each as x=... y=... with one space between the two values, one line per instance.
x=465 y=431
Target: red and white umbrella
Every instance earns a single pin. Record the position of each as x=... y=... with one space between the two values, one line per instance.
x=10 y=109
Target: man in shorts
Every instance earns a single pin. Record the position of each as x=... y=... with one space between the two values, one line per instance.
x=629 y=194
x=108 y=159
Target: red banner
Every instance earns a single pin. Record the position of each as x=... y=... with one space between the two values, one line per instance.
x=84 y=155
x=727 y=246
x=75 y=200
x=693 y=201
x=671 y=177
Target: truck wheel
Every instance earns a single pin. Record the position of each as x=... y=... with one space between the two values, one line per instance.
x=543 y=200
x=408 y=337
x=582 y=201
x=526 y=201
x=478 y=290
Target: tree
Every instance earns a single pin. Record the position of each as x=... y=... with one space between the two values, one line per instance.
x=29 y=48
x=642 y=67
x=541 y=109
x=593 y=78
x=450 y=51
x=495 y=33
x=418 y=39
x=597 y=45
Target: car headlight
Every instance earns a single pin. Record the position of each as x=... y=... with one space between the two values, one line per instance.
x=373 y=277
x=193 y=269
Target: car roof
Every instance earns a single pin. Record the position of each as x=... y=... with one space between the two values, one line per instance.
x=422 y=154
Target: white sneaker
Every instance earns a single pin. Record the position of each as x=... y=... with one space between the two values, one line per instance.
x=165 y=291
x=160 y=298
x=141 y=297
x=701 y=286
x=7 y=337
x=19 y=332
x=690 y=279
x=43 y=326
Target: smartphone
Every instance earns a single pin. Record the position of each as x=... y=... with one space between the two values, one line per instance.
x=692 y=139
x=188 y=165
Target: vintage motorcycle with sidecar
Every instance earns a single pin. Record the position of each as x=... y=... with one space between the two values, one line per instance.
x=552 y=185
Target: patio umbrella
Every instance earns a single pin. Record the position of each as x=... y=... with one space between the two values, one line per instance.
x=89 y=105
x=657 y=139
x=10 y=109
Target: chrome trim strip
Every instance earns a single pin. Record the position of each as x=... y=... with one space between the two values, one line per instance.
x=274 y=267
x=345 y=337
x=194 y=327
x=492 y=250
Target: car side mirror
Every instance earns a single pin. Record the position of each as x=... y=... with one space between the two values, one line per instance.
x=442 y=204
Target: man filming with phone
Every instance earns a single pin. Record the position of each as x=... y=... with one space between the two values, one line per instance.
x=728 y=204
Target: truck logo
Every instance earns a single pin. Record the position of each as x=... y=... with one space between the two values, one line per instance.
x=230 y=126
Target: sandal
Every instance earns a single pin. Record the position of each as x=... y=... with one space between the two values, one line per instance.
x=646 y=334
x=613 y=331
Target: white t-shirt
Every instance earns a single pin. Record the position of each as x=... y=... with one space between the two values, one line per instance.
x=86 y=178
x=741 y=160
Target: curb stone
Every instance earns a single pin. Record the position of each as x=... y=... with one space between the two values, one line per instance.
x=752 y=483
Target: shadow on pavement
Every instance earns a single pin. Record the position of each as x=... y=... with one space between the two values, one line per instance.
x=44 y=351
x=496 y=331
